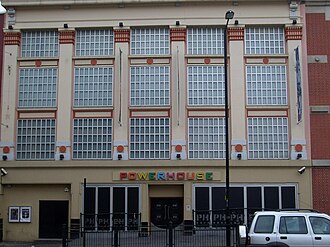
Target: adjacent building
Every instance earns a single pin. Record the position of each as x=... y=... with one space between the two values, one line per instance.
x=318 y=51
x=127 y=98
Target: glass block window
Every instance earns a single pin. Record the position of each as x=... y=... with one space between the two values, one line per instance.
x=95 y=42
x=206 y=138
x=266 y=85
x=150 y=138
x=206 y=85
x=92 y=138
x=150 y=41
x=150 y=86
x=264 y=40
x=93 y=86
x=268 y=138
x=35 y=139
x=205 y=41
x=37 y=87
x=40 y=44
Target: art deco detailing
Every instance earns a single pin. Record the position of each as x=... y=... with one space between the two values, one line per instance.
x=178 y=34
x=12 y=38
x=235 y=33
x=122 y=35
x=67 y=37
x=293 y=33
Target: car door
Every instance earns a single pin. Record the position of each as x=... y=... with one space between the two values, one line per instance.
x=262 y=231
x=320 y=230
x=293 y=231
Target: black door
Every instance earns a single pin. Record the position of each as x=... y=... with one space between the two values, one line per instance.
x=166 y=210
x=52 y=216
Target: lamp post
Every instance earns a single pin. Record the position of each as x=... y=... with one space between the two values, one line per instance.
x=229 y=15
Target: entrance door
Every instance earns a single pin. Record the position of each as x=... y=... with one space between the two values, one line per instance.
x=52 y=216
x=166 y=210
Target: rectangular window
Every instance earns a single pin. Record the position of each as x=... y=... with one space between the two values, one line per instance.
x=268 y=138
x=150 y=86
x=206 y=85
x=107 y=206
x=266 y=85
x=271 y=198
x=264 y=224
x=293 y=225
x=150 y=138
x=205 y=41
x=93 y=86
x=96 y=42
x=40 y=44
x=288 y=195
x=202 y=206
x=206 y=138
x=37 y=87
x=150 y=41
x=92 y=138
x=264 y=40
x=36 y=139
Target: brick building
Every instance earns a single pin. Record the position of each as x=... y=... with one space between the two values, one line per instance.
x=318 y=51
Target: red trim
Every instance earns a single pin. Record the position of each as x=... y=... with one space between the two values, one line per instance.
x=178 y=34
x=122 y=36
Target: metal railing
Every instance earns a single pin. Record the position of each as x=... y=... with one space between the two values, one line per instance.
x=151 y=236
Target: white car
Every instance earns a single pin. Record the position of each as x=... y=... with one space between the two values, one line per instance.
x=288 y=229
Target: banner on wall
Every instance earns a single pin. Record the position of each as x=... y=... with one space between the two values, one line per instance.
x=299 y=89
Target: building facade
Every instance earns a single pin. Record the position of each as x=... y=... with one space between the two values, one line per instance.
x=318 y=34
x=128 y=97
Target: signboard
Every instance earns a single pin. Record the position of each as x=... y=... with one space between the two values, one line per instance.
x=164 y=176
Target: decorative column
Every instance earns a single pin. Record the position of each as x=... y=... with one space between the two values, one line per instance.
x=120 y=94
x=298 y=93
x=178 y=85
x=64 y=94
x=12 y=41
x=237 y=93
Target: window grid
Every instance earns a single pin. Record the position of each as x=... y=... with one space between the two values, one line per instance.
x=37 y=87
x=96 y=42
x=264 y=40
x=40 y=44
x=35 y=139
x=93 y=86
x=206 y=85
x=150 y=41
x=205 y=41
x=150 y=138
x=266 y=85
x=150 y=86
x=268 y=138
x=92 y=138
x=206 y=138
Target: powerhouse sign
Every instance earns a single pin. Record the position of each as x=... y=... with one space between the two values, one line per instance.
x=164 y=176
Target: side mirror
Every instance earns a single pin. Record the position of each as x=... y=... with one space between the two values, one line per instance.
x=242 y=231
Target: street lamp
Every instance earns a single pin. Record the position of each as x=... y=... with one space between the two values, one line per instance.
x=229 y=15
x=2 y=9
